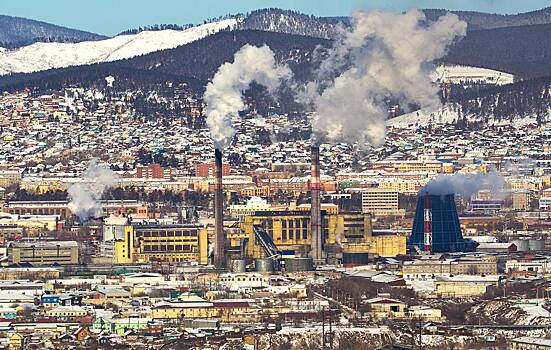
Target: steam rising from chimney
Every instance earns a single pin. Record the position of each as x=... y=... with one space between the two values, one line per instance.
x=383 y=54
x=223 y=94
x=466 y=184
x=85 y=197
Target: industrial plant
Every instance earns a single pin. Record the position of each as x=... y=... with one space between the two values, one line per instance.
x=298 y=240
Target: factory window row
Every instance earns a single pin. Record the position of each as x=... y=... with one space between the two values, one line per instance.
x=43 y=251
x=168 y=248
x=167 y=233
x=294 y=228
x=354 y=236
x=44 y=259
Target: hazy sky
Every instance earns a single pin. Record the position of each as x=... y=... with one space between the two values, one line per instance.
x=113 y=16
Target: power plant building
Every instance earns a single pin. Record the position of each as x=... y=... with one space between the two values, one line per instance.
x=163 y=243
x=343 y=234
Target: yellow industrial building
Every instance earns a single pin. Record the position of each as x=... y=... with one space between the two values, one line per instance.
x=343 y=233
x=168 y=243
x=290 y=231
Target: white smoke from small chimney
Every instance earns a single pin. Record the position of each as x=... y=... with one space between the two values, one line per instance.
x=467 y=184
x=383 y=55
x=85 y=196
x=223 y=94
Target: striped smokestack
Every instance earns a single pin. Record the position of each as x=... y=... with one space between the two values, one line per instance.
x=427 y=226
x=219 y=251
x=315 y=216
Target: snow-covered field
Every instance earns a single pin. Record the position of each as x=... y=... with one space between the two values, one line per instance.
x=471 y=75
x=42 y=56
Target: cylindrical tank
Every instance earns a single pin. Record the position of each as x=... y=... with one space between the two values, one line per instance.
x=536 y=245
x=299 y=264
x=238 y=265
x=264 y=265
x=522 y=245
x=355 y=259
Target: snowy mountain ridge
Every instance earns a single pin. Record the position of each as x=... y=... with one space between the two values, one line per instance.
x=43 y=56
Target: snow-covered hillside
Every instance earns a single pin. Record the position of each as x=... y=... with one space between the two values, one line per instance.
x=42 y=56
x=471 y=75
x=423 y=117
x=449 y=114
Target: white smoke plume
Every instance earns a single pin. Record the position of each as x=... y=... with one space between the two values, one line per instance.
x=383 y=54
x=223 y=94
x=466 y=184
x=85 y=196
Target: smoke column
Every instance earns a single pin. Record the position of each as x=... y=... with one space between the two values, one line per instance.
x=383 y=54
x=465 y=184
x=84 y=197
x=223 y=94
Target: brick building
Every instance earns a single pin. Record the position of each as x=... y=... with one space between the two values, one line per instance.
x=153 y=171
x=207 y=169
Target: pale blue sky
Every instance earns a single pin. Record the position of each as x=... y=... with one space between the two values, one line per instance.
x=109 y=17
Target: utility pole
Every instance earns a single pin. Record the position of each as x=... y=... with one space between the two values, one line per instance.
x=323 y=328
x=420 y=334
x=330 y=328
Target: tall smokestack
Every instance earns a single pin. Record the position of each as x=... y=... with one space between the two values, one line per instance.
x=219 y=256
x=315 y=214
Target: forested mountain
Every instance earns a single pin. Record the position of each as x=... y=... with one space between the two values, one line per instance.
x=16 y=32
x=524 y=51
x=481 y=20
x=194 y=63
x=529 y=98
x=290 y=22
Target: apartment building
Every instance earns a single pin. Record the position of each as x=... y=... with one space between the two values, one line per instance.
x=208 y=169
x=154 y=171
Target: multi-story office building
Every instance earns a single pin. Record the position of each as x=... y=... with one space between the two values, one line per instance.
x=380 y=202
x=43 y=252
x=486 y=205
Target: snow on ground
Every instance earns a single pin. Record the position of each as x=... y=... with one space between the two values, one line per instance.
x=471 y=75
x=425 y=116
x=535 y=314
x=449 y=114
x=42 y=56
